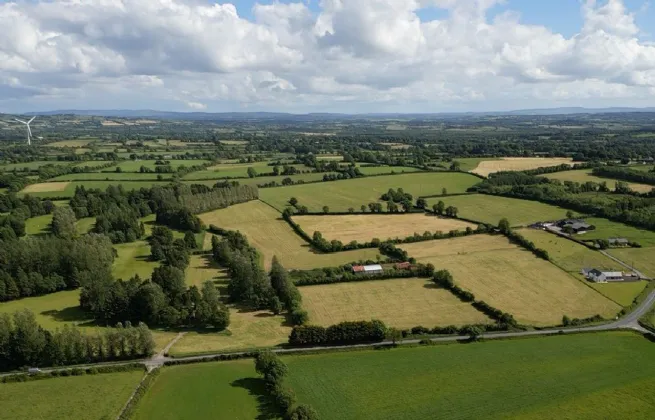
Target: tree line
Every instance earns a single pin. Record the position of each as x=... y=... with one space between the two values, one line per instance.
x=348 y=332
x=626 y=174
x=25 y=343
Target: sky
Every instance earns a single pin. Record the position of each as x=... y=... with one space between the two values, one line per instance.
x=352 y=56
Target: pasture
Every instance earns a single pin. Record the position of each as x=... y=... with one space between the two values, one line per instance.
x=513 y=280
x=353 y=193
x=584 y=175
x=71 y=143
x=643 y=259
x=202 y=268
x=622 y=293
x=46 y=187
x=30 y=166
x=487 y=167
x=58 y=189
x=586 y=376
x=608 y=229
x=230 y=391
x=112 y=176
x=133 y=258
x=38 y=225
x=400 y=303
x=490 y=209
x=377 y=170
x=271 y=235
x=363 y=228
x=76 y=397
x=135 y=165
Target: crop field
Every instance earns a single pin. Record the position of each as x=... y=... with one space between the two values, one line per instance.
x=400 y=303
x=608 y=229
x=135 y=165
x=586 y=376
x=377 y=170
x=71 y=143
x=271 y=235
x=342 y=195
x=112 y=176
x=643 y=259
x=585 y=175
x=468 y=164
x=490 y=209
x=230 y=391
x=535 y=291
x=75 y=397
x=46 y=187
x=487 y=167
x=363 y=228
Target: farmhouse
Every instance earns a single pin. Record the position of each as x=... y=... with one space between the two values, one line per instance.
x=599 y=276
x=368 y=269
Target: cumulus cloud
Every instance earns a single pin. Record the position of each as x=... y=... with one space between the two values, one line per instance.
x=356 y=56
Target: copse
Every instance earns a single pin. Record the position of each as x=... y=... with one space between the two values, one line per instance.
x=287 y=292
x=342 y=333
x=63 y=223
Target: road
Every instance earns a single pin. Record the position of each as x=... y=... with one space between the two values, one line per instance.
x=628 y=322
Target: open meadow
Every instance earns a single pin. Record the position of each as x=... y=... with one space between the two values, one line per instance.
x=486 y=167
x=112 y=176
x=400 y=303
x=230 y=391
x=67 y=188
x=342 y=195
x=606 y=229
x=363 y=228
x=88 y=397
x=513 y=280
x=490 y=209
x=71 y=143
x=266 y=231
x=586 y=376
x=584 y=175
x=135 y=165
x=30 y=166
x=378 y=170
x=643 y=259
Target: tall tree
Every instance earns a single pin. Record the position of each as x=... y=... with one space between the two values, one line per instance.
x=63 y=222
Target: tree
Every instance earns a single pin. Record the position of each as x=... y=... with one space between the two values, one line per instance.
x=421 y=203
x=171 y=281
x=504 y=226
x=270 y=366
x=190 y=240
x=455 y=166
x=326 y=209
x=569 y=214
x=63 y=222
x=444 y=191
x=252 y=173
x=363 y=208
x=293 y=201
x=395 y=335
x=303 y=412
x=351 y=210
x=439 y=207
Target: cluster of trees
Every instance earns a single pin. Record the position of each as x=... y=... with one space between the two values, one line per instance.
x=287 y=293
x=274 y=371
x=393 y=252
x=40 y=265
x=469 y=330
x=344 y=274
x=441 y=209
x=397 y=196
x=12 y=225
x=574 y=322
x=13 y=182
x=342 y=333
x=626 y=174
x=164 y=300
x=173 y=252
x=25 y=343
x=120 y=224
x=200 y=199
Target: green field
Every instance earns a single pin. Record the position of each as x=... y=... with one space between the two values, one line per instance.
x=377 y=170
x=260 y=180
x=341 y=195
x=622 y=293
x=641 y=258
x=89 y=397
x=228 y=390
x=38 y=225
x=69 y=190
x=642 y=168
x=608 y=229
x=135 y=165
x=31 y=165
x=237 y=170
x=52 y=311
x=585 y=175
x=468 y=164
x=490 y=209
x=591 y=376
x=92 y=163
x=133 y=258
x=111 y=176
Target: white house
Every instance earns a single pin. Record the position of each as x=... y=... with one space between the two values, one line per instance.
x=602 y=276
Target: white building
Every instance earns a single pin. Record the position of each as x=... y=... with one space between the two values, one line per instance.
x=602 y=276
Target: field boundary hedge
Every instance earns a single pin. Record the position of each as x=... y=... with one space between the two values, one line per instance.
x=130 y=407
x=73 y=371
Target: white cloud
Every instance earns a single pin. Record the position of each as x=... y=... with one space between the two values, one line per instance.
x=353 y=56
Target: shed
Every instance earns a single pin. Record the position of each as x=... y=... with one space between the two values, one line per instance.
x=403 y=266
x=618 y=241
x=373 y=269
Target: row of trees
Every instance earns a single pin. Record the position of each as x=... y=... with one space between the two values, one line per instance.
x=24 y=343
x=626 y=174
x=342 y=333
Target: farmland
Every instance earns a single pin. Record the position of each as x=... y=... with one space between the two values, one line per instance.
x=377 y=170
x=400 y=303
x=585 y=175
x=641 y=258
x=271 y=235
x=71 y=143
x=363 y=228
x=591 y=376
x=515 y=281
x=209 y=390
x=490 y=209
x=608 y=229
x=342 y=195
x=487 y=167
x=112 y=176
x=67 y=189
x=76 y=397
x=135 y=165
x=46 y=187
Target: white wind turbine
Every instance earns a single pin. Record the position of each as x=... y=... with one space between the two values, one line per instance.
x=29 y=131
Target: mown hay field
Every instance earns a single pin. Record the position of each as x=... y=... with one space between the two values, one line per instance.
x=342 y=195
x=71 y=143
x=585 y=376
x=490 y=209
x=584 y=175
x=75 y=397
x=513 y=280
x=363 y=228
x=487 y=167
x=229 y=391
x=400 y=303
x=112 y=176
x=266 y=231
x=46 y=187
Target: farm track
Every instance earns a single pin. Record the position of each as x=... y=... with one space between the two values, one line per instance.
x=639 y=273
x=629 y=322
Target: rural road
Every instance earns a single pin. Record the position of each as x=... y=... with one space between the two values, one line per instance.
x=629 y=322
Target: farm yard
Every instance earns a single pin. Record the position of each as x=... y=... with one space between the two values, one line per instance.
x=266 y=231
x=363 y=228
x=515 y=281
x=585 y=175
x=487 y=167
x=490 y=209
x=353 y=193
x=399 y=303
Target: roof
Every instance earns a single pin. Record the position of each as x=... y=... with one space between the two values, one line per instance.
x=358 y=268
x=596 y=272
x=613 y=274
x=618 y=240
x=374 y=267
x=403 y=265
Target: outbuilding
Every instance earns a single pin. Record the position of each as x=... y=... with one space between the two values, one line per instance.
x=599 y=276
x=368 y=269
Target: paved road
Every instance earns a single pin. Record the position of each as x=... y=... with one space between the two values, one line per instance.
x=630 y=322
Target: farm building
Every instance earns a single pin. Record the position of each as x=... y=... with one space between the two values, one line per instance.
x=618 y=241
x=599 y=276
x=368 y=269
x=575 y=225
x=403 y=266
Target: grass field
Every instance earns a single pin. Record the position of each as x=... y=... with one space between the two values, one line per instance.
x=267 y=232
x=490 y=209
x=608 y=229
x=468 y=164
x=112 y=176
x=487 y=167
x=642 y=168
x=46 y=187
x=535 y=291
x=135 y=165
x=210 y=178
x=30 y=165
x=89 y=397
x=235 y=170
x=202 y=268
x=92 y=164
x=49 y=189
x=641 y=258
x=377 y=170
x=85 y=225
x=585 y=175
x=400 y=303
x=341 y=195
x=38 y=225
x=229 y=391
x=133 y=258
x=587 y=376
x=622 y=293
x=363 y=228
x=71 y=143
